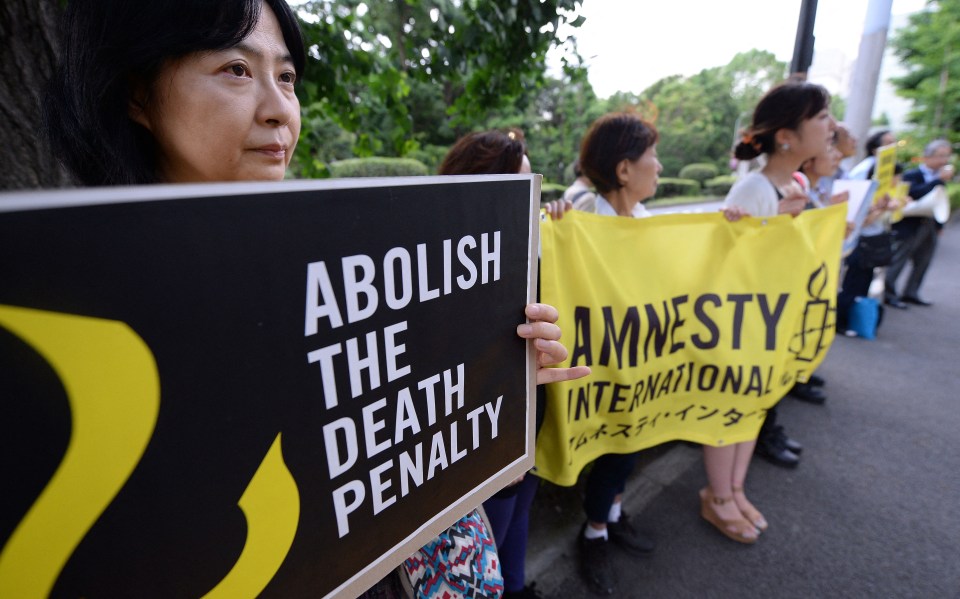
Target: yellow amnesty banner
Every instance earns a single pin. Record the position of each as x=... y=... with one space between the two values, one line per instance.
x=693 y=326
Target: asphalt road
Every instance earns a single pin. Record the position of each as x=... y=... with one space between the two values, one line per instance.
x=872 y=511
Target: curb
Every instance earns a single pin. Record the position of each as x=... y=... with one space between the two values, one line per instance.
x=552 y=538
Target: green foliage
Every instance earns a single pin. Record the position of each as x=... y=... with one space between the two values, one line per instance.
x=430 y=155
x=698 y=115
x=881 y=121
x=838 y=107
x=699 y=171
x=399 y=75
x=321 y=141
x=671 y=187
x=953 y=190
x=555 y=122
x=408 y=77
x=720 y=186
x=551 y=191
x=378 y=167
x=929 y=47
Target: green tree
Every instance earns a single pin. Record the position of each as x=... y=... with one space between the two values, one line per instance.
x=752 y=73
x=556 y=121
x=697 y=116
x=929 y=47
x=404 y=74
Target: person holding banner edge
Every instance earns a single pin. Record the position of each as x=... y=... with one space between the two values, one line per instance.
x=178 y=91
x=618 y=156
x=791 y=124
x=508 y=511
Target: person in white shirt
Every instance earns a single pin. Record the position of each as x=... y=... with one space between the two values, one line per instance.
x=791 y=124
x=619 y=157
x=581 y=193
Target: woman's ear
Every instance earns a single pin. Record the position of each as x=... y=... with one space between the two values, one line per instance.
x=136 y=105
x=623 y=172
x=784 y=137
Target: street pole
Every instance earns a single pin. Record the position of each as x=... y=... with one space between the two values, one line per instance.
x=866 y=72
x=803 y=46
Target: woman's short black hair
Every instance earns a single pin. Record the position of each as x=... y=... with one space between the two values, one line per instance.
x=613 y=138
x=783 y=107
x=109 y=49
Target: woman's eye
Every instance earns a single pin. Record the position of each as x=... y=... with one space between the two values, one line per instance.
x=288 y=77
x=237 y=70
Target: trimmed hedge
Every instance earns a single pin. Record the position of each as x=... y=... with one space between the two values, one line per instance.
x=720 y=186
x=378 y=167
x=669 y=187
x=551 y=191
x=953 y=190
x=699 y=171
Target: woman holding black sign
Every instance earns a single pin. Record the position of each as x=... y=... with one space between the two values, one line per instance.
x=179 y=91
x=490 y=153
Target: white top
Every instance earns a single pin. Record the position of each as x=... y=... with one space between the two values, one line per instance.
x=755 y=194
x=860 y=171
x=602 y=206
x=578 y=193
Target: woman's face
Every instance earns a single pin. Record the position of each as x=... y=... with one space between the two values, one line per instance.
x=640 y=180
x=815 y=134
x=227 y=115
x=825 y=163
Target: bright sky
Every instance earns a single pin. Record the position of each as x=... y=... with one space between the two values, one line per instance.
x=630 y=44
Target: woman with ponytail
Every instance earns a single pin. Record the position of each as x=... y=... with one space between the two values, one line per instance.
x=791 y=124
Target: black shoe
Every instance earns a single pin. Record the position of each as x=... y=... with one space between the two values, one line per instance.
x=817 y=381
x=776 y=454
x=808 y=393
x=896 y=303
x=528 y=592
x=595 y=566
x=916 y=301
x=780 y=438
x=626 y=536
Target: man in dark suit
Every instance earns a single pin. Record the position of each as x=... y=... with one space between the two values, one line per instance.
x=916 y=237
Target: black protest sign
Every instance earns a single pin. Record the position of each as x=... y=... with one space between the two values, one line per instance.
x=271 y=388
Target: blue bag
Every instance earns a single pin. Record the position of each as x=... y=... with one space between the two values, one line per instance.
x=864 y=317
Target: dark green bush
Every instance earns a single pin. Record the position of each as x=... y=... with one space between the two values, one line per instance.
x=720 y=186
x=669 y=187
x=551 y=191
x=377 y=167
x=699 y=171
x=430 y=155
x=953 y=190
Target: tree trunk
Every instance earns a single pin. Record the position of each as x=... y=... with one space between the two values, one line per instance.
x=28 y=51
